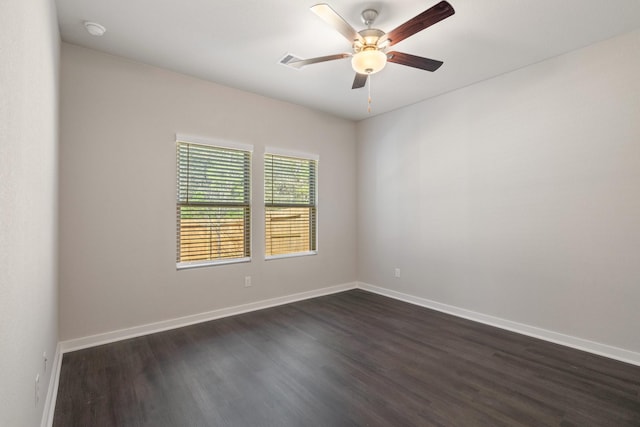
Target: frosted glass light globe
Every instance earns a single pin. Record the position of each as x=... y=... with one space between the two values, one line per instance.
x=368 y=61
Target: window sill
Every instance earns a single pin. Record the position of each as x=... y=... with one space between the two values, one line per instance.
x=294 y=255
x=197 y=264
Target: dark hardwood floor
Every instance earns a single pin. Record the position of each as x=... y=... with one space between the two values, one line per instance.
x=349 y=359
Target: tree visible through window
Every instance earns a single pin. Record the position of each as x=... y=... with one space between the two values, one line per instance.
x=290 y=205
x=213 y=205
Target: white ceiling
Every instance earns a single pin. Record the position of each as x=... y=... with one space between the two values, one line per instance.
x=239 y=43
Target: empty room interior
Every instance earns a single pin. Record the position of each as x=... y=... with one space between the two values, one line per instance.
x=250 y=213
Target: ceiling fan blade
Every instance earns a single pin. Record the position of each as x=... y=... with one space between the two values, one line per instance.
x=414 y=61
x=418 y=23
x=331 y=17
x=359 y=81
x=303 y=62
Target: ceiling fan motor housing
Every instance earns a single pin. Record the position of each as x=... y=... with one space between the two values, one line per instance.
x=370 y=37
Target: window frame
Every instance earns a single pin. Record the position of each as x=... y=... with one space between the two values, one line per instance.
x=248 y=231
x=279 y=152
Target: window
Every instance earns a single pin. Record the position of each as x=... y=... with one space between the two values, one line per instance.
x=213 y=206
x=290 y=205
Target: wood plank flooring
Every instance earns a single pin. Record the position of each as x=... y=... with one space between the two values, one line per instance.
x=349 y=359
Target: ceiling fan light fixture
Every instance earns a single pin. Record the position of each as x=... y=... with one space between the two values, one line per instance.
x=368 y=61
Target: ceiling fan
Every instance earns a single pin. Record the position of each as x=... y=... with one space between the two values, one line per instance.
x=370 y=45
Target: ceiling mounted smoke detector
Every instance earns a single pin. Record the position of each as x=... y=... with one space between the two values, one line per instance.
x=94 y=28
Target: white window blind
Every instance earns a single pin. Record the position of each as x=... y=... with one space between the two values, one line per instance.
x=290 y=205
x=213 y=205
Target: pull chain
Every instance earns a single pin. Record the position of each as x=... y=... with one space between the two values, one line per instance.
x=369 y=102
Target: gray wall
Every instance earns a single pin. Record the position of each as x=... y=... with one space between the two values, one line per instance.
x=29 y=46
x=518 y=197
x=118 y=187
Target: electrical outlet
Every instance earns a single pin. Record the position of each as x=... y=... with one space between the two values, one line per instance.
x=397 y=273
x=37 y=389
x=44 y=358
x=247 y=281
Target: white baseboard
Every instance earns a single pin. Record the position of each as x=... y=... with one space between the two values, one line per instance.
x=164 y=325
x=52 y=391
x=136 y=331
x=532 y=331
